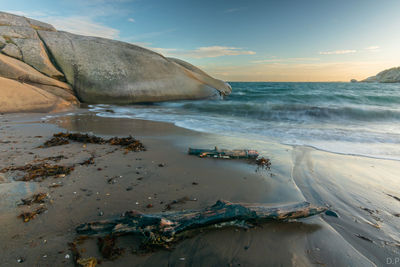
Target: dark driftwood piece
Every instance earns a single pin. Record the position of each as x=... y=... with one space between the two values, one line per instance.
x=164 y=228
x=224 y=153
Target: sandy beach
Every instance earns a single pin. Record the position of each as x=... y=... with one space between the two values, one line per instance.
x=363 y=192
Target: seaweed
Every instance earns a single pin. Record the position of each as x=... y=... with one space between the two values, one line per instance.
x=128 y=143
x=36 y=198
x=30 y=215
x=87 y=162
x=87 y=262
x=40 y=170
x=107 y=247
x=263 y=163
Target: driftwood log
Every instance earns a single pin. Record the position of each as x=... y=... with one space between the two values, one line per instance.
x=163 y=228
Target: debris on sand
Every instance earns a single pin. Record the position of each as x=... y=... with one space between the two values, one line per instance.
x=107 y=247
x=128 y=143
x=224 y=153
x=87 y=262
x=36 y=198
x=64 y=138
x=40 y=171
x=251 y=155
x=55 y=158
x=30 y=215
x=87 y=162
x=263 y=163
x=181 y=200
x=397 y=198
x=162 y=229
x=364 y=238
x=55 y=185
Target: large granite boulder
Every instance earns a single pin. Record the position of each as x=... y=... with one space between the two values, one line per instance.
x=107 y=71
x=387 y=76
x=36 y=59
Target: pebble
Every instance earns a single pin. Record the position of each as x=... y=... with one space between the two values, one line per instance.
x=331 y=213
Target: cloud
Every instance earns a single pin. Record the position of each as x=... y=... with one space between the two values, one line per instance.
x=82 y=25
x=131 y=20
x=204 y=52
x=338 y=52
x=373 y=48
x=292 y=59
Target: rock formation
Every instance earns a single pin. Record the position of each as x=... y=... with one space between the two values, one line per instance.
x=387 y=76
x=42 y=69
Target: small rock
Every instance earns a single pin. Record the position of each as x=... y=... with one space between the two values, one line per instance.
x=331 y=213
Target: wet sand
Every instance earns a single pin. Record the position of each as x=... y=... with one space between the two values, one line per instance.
x=360 y=190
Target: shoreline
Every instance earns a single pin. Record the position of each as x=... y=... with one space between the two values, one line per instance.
x=297 y=174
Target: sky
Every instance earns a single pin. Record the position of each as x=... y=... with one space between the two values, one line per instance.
x=242 y=40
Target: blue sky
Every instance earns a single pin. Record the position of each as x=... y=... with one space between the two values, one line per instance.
x=237 y=40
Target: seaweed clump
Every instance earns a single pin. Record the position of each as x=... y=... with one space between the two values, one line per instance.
x=129 y=143
x=59 y=139
x=36 y=198
x=40 y=170
x=77 y=257
x=107 y=247
x=263 y=163
x=27 y=216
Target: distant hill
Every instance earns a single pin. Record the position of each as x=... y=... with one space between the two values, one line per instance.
x=387 y=76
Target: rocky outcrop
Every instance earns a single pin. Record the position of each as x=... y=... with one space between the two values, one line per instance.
x=12 y=50
x=64 y=67
x=17 y=70
x=106 y=71
x=387 y=76
x=21 y=97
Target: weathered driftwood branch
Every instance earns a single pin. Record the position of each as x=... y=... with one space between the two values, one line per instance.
x=163 y=228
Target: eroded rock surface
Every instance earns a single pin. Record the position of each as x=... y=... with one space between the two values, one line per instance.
x=48 y=65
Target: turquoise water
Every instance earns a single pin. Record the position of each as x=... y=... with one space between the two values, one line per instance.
x=349 y=118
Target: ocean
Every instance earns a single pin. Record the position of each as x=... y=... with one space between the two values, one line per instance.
x=347 y=118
